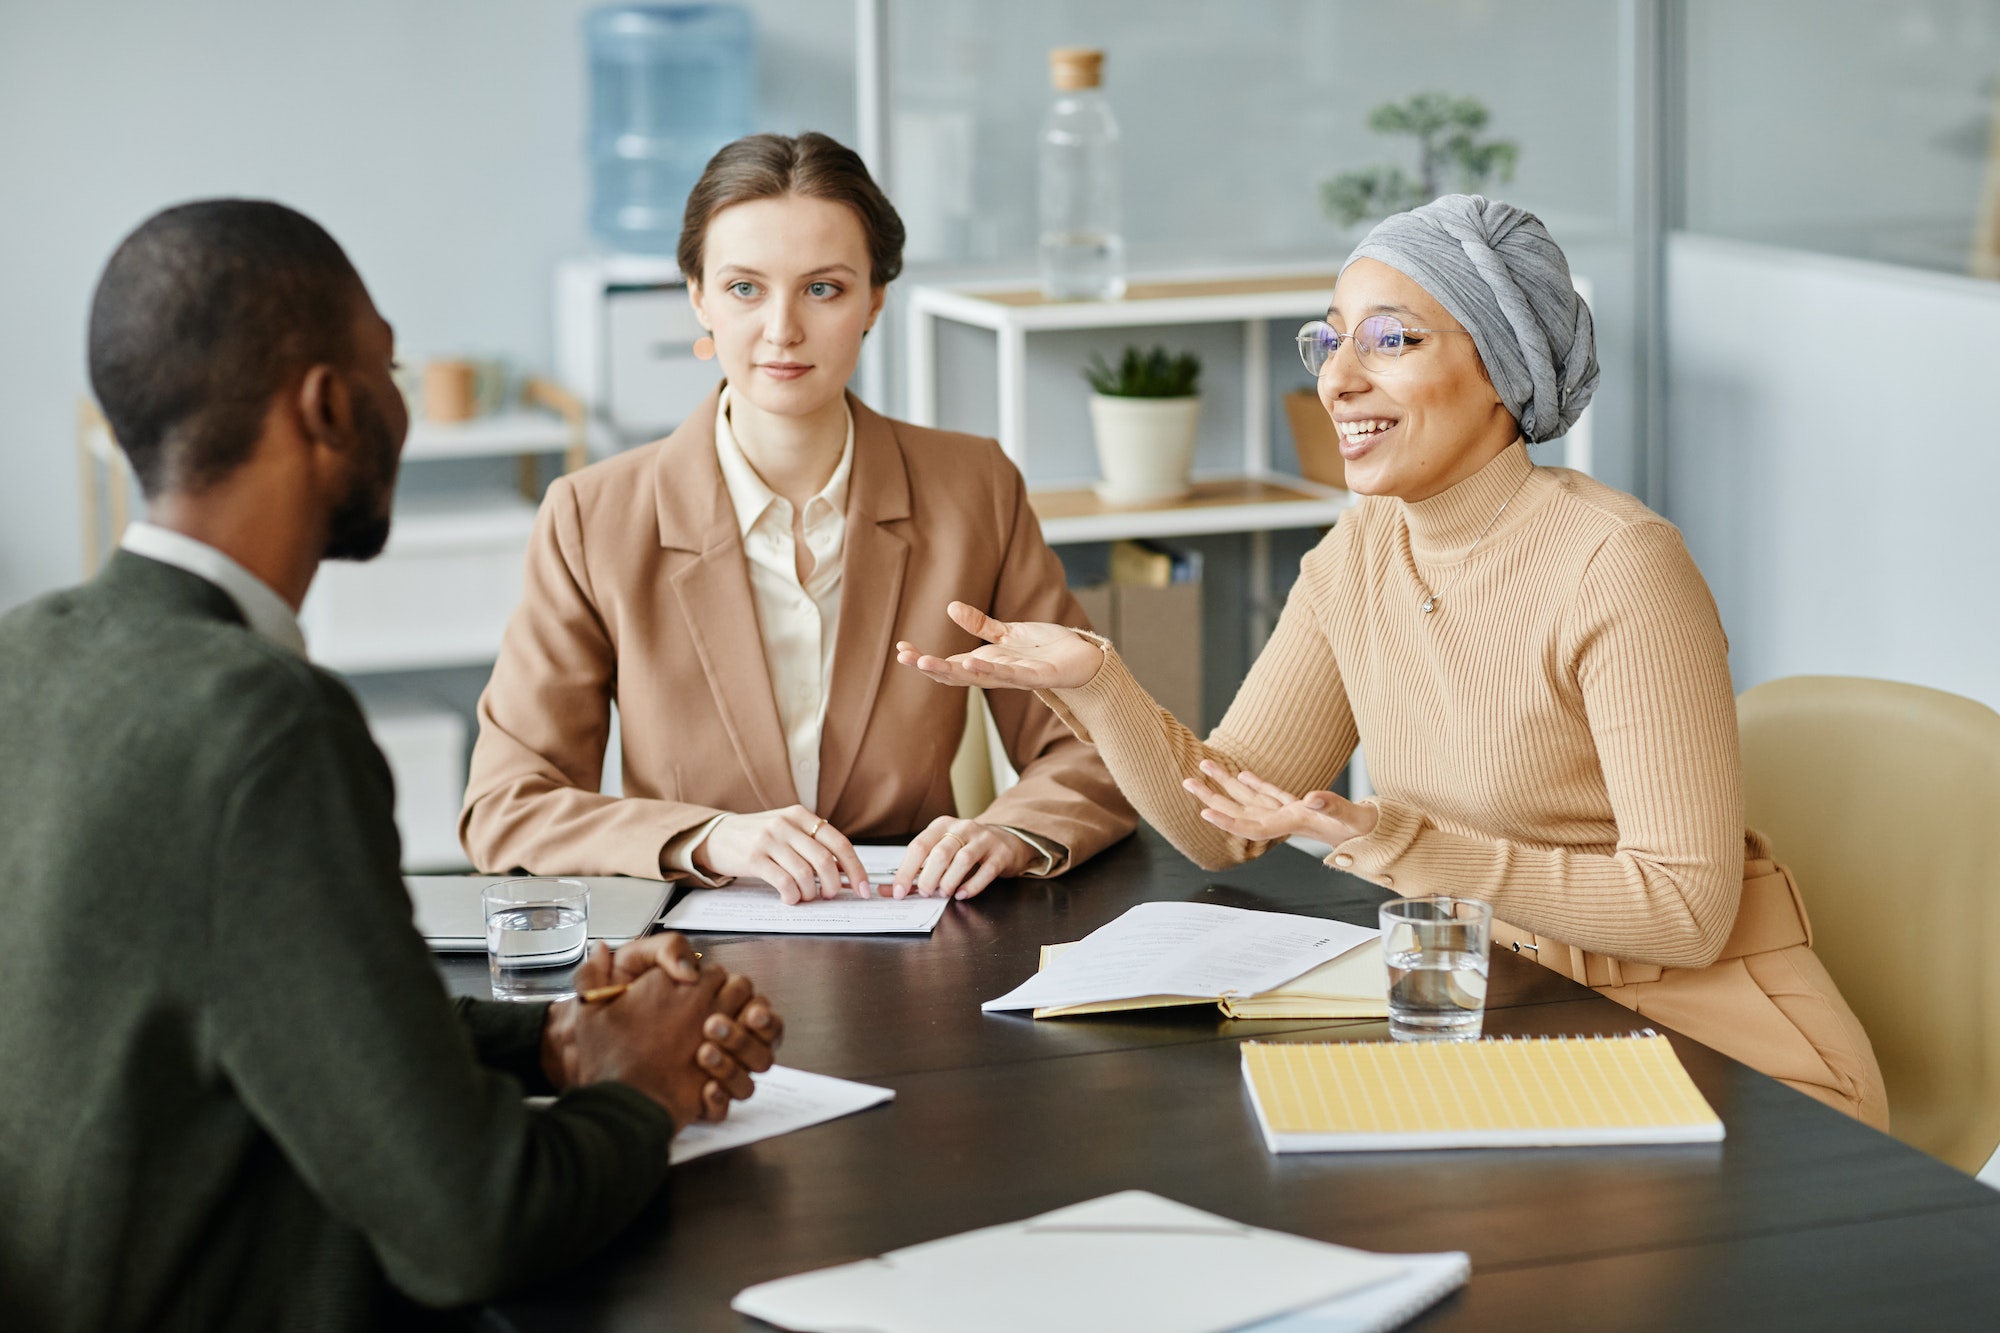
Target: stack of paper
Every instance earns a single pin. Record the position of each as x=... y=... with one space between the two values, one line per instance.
x=1538 y=1092
x=1354 y=985
x=1189 y=951
x=750 y=907
x=1125 y=1261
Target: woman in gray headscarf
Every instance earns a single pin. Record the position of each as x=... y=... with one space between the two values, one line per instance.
x=1530 y=659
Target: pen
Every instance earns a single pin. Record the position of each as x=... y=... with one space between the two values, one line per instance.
x=599 y=994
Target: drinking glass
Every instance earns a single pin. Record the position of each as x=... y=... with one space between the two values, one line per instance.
x=535 y=935
x=1436 y=949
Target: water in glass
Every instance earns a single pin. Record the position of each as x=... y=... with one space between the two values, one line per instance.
x=1436 y=948
x=1436 y=994
x=532 y=950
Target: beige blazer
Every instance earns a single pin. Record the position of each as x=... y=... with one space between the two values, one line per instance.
x=638 y=590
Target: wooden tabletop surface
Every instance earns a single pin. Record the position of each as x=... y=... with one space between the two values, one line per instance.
x=1802 y=1219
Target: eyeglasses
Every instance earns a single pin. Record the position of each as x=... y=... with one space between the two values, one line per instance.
x=1378 y=338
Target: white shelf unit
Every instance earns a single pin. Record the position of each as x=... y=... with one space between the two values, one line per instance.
x=441 y=591
x=1266 y=501
x=1014 y=310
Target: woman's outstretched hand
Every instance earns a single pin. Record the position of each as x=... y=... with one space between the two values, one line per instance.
x=1250 y=807
x=1017 y=654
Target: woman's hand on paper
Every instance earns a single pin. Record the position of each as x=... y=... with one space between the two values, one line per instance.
x=1018 y=654
x=958 y=858
x=793 y=850
x=1250 y=807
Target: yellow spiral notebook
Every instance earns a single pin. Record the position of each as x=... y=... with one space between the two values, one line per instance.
x=1505 y=1093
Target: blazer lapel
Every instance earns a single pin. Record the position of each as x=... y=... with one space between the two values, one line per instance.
x=871 y=593
x=716 y=605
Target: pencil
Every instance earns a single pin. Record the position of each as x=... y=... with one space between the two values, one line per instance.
x=599 y=994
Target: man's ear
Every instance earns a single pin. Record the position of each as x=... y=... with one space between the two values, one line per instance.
x=325 y=410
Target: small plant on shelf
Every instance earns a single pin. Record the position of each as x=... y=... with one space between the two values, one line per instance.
x=1144 y=414
x=1449 y=157
x=1141 y=374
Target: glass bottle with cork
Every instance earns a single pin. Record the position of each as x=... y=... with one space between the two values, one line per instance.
x=1082 y=235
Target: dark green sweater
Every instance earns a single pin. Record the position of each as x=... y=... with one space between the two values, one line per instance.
x=233 y=1092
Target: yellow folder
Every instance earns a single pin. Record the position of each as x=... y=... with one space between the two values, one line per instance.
x=1534 y=1092
x=1354 y=985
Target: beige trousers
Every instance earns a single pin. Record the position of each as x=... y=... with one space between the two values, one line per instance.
x=1767 y=1001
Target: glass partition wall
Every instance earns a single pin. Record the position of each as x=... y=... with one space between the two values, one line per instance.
x=1235 y=116
x=1863 y=128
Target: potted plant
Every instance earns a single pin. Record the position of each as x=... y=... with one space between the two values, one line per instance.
x=1143 y=413
x=1449 y=157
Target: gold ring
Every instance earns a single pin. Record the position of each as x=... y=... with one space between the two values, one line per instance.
x=818 y=824
x=955 y=838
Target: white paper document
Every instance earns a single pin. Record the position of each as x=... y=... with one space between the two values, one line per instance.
x=1126 y=1261
x=1194 y=949
x=785 y=1100
x=752 y=907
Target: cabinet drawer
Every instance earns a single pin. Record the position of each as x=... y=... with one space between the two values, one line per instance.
x=439 y=596
x=652 y=377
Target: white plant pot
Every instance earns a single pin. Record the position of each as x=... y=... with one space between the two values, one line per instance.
x=1145 y=447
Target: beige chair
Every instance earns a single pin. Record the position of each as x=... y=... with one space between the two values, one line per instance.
x=979 y=771
x=1884 y=799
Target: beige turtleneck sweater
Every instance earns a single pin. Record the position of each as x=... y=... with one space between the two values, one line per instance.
x=1557 y=738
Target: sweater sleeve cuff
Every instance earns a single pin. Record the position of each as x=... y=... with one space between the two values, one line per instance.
x=1373 y=853
x=508 y=1037
x=1096 y=696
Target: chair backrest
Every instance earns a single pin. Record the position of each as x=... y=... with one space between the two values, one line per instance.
x=972 y=785
x=1884 y=799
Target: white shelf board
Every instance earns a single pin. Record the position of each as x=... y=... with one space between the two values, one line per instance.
x=503 y=433
x=1322 y=507
x=1182 y=301
x=459 y=521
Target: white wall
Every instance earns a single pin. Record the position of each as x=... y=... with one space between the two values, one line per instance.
x=441 y=141
x=1834 y=461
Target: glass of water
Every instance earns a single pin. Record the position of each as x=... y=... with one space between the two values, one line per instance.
x=1436 y=949
x=535 y=935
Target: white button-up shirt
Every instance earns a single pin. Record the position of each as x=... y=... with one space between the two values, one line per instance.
x=797 y=619
x=269 y=616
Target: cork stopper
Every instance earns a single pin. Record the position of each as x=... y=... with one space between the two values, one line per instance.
x=1072 y=68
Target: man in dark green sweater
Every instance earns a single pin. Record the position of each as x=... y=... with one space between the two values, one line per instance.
x=235 y=1094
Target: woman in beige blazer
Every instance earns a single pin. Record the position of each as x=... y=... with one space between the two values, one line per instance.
x=737 y=590
x=1530 y=660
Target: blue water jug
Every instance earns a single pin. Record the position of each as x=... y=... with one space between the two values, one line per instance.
x=669 y=85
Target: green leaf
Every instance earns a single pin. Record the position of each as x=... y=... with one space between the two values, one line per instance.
x=1145 y=374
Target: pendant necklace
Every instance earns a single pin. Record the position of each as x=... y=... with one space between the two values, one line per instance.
x=1429 y=604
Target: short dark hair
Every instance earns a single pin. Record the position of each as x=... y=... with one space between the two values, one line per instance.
x=201 y=316
x=767 y=166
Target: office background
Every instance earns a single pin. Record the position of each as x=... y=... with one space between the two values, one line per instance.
x=1775 y=206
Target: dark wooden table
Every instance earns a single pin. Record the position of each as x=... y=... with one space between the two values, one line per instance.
x=1801 y=1219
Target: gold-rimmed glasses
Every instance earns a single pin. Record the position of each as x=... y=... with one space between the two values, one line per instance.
x=1377 y=339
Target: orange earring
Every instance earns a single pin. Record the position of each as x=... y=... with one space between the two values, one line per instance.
x=704 y=348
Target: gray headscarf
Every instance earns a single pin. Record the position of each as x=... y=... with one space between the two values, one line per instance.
x=1500 y=274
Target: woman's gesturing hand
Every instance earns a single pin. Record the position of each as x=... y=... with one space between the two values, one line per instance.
x=793 y=850
x=1018 y=654
x=1250 y=807
x=957 y=858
